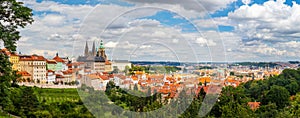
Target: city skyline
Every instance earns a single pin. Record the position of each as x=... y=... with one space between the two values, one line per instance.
x=245 y=36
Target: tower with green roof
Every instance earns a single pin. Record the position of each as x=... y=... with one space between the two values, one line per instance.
x=101 y=51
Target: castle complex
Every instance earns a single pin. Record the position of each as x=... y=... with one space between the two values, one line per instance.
x=95 y=60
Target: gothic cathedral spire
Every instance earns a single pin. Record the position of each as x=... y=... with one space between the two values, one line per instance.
x=86 y=51
x=94 y=49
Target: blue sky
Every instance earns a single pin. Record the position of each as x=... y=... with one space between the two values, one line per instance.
x=241 y=29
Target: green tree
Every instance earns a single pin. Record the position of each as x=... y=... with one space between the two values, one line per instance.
x=278 y=95
x=13 y=15
x=267 y=111
x=29 y=101
x=293 y=87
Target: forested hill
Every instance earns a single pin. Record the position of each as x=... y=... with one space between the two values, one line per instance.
x=279 y=96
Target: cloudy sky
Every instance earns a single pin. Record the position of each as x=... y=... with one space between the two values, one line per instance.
x=177 y=30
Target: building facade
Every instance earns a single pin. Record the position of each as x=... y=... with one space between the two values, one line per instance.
x=60 y=63
x=36 y=66
x=51 y=65
x=13 y=59
x=121 y=64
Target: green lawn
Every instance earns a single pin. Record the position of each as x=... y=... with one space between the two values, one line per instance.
x=56 y=95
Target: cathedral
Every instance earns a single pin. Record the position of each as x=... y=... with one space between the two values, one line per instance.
x=95 y=60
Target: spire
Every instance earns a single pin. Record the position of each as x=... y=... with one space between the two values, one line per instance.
x=86 y=51
x=94 y=49
x=57 y=54
x=101 y=51
x=101 y=45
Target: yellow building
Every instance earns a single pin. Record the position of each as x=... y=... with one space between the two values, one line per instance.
x=13 y=58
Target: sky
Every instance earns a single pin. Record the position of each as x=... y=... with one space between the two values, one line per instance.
x=170 y=30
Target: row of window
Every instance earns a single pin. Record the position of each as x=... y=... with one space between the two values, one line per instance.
x=40 y=75
x=43 y=67
x=39 y=71
x=36 y=63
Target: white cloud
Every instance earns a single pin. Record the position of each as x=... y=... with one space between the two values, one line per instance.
x=195 y=5
x=246 y=2
x=270 y=30
x=111 y=44
x=271 y=21
x=53 y=20
x=204 y=42
x=145 y=46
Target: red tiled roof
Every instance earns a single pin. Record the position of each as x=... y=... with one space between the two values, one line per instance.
x=51 y=62
x=68 y=72
x=6 y=52
x=104 y=77
x=107 y=63
x=123 y=77
x=32 y=58
x=51 y=71
x=23 y=73
x=59 y=76
x=134 y=78
x=254 y=105
x=58 y=59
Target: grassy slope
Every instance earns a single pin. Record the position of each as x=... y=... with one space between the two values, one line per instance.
x=56 y=95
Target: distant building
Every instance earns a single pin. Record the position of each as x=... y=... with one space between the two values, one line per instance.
x=13 y=58
x=121 y=64
x=95 y=60
x=25 y=76
x=51 y=76
x=60 y=63
x=35 y=65
x=254 y=105
x=51 y=65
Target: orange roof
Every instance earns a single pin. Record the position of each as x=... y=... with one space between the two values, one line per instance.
x=104 y=77
x=172 y=95
x=6 y=52
x=58 y=59
x=59 y=76
x=51 y=71
x=204 y=79
x=254 y=105
x=134 y=77
x=107 y=63
x=23 y=73
x=32 y=58
x=93 y=76
x=163 y=91
x=121 y=76
x=231 y=80
x=51 y=61
x=67 y=72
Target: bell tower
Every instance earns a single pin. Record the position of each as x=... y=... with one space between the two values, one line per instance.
x=101 y=51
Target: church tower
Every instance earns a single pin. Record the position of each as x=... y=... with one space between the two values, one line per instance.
x=86 y=50
x=101 y=51
x=94 y=49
